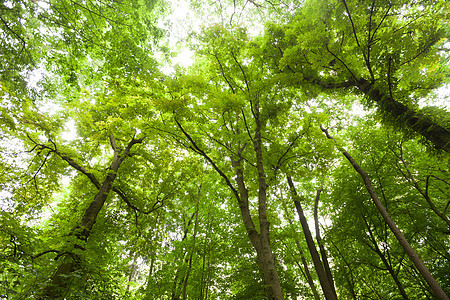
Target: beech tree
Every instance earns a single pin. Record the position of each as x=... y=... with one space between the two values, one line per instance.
x=301 y=155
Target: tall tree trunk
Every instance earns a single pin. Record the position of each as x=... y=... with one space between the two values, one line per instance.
x=323 y=252
x=58 y=282
x=433 y=284
x=416 y=121
x=323 y=278
x=267 y=260
x=307 y=274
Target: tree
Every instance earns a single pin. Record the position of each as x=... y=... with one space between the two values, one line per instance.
x=173 y=185
x=354 y=46
x=376 y=235
x=243 y=122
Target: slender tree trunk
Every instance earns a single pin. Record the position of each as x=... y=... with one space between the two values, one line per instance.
x=323 y=252
x=323 y=279
x=82 y=231
x=434 y=285
x=307 y=273
x=194 y=235
x=311 y=283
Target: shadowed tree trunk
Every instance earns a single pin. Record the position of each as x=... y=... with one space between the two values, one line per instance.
x=323 y=252
x=417 y=121
x=267 y=260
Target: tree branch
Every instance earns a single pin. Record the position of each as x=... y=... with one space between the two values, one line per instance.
x=70 y=161
x=213 y=164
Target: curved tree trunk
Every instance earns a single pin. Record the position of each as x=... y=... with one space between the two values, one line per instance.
x=433 y=284
x=82 y=231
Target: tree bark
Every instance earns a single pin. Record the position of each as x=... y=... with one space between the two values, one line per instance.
x=433 y=284
x=58 y=282
x=267 y=260
x=423 y=125
x=323 y=252
x=261 y=244
x=418 y=122
x=323 y=279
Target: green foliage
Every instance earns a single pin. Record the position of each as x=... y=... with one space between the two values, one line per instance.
x=171 y=226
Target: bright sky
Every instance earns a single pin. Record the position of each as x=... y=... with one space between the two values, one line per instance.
x=181 y=18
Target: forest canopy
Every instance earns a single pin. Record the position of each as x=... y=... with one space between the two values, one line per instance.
x=245 y=149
